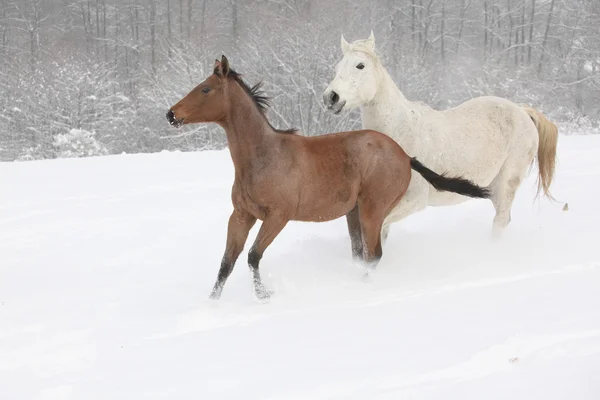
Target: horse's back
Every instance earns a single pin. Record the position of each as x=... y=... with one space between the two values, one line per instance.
x=372 y=139
x=503 y=113
x=479 y=125
x=356 y=140
x=332 y=171
x=360 y=151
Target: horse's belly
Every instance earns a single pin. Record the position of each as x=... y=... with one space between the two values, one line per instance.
x=314 y=213
x=319 y=204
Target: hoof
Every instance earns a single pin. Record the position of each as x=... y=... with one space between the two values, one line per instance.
x=263 y=294
x=367 y=276
x=357 y=260
x=496 y=236
x=215 y=295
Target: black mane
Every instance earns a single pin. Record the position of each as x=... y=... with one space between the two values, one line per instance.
x=259 y=98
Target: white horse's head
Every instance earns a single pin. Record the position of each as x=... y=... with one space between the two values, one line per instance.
x=356 y=76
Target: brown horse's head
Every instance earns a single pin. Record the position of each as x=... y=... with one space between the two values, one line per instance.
x=206 y=102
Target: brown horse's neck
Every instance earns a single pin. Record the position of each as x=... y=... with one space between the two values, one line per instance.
x=246 y=127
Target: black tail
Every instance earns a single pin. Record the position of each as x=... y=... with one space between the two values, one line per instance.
x=456 y=185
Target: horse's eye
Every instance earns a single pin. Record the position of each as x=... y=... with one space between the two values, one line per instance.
x=206 y=90
x=360 y=66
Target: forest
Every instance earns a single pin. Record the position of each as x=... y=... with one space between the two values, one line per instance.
x=94 y=77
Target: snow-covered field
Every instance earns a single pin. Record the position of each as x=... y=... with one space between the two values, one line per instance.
x=106 y=266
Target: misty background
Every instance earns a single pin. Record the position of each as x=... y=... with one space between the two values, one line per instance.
x=94 y=77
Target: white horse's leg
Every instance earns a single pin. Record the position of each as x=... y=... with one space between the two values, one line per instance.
x=504 y=187
x=414 y=200
x=385 y=231
x=503 y=195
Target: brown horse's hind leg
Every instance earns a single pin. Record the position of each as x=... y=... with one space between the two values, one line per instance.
x=371 y=224
x=240 y=224
x=270 y=228
x=353 y=219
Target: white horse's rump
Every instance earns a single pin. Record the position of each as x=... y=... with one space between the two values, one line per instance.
x=488 y=140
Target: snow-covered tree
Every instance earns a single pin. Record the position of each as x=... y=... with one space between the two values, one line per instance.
x=114 y=67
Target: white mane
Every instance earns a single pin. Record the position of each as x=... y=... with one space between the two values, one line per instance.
x=363 y=46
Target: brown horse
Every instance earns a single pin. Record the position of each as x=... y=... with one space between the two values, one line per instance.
x=281 y=176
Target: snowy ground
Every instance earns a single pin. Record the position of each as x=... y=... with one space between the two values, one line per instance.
x=106 y=265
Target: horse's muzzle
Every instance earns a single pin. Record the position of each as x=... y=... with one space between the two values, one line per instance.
x=172 y=120
x=171 y=117
x=332 y=102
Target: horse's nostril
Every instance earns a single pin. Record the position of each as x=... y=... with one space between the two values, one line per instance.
x=334 y=97
x=171 y=116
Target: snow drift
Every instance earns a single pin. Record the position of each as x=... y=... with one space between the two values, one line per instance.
x=107 y=264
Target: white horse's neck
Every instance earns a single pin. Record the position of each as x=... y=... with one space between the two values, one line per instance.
x=391 y=113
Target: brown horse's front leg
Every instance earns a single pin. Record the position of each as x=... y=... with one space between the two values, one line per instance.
x=270 y=228
x=353 y=220
x=240 y=224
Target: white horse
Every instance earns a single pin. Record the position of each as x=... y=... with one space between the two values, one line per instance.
x=489 y=140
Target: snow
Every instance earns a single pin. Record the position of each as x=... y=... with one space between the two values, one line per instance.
x=107 y=264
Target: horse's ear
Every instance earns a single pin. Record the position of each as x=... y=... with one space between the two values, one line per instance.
x=345 y=45
x=224 y=65
x=370 y=42
x=217 y=67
